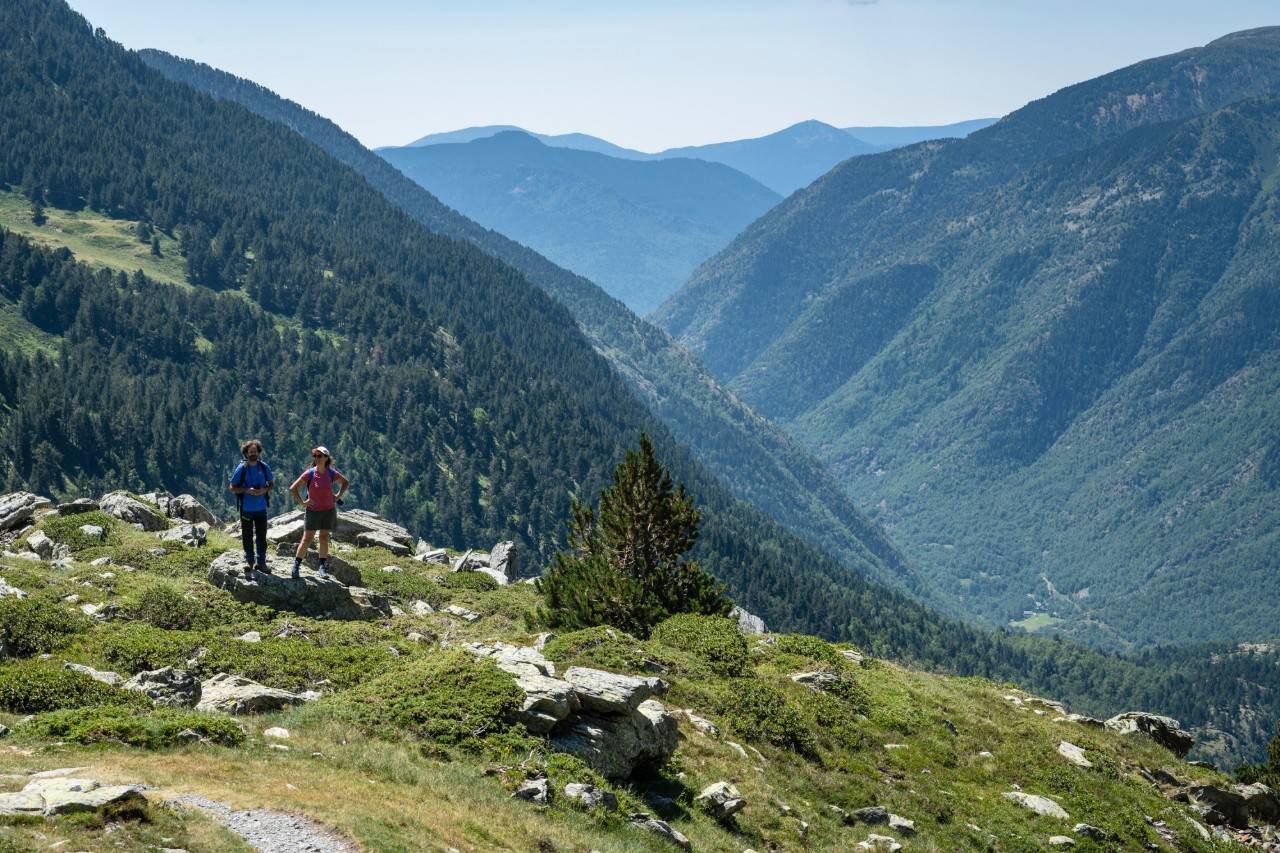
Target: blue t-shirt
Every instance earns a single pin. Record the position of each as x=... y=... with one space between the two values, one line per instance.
x=255 y=477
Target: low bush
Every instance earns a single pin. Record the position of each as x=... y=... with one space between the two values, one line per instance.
x=34 y=686
x=297 y=664
x=65 y=530
x=478 y=581
x=447 y=699
x=165 y=605
x=154 y=729
x=715 y=640
x=36 y=624
x=760 y=712
x=133 y=647
x=173 y=559
x=814 y=648
x=601 y=647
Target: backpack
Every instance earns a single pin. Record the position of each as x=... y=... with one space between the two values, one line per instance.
x=238 y=481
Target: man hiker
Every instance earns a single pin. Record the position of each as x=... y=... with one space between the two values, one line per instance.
x=252 y=483
x=321 y=505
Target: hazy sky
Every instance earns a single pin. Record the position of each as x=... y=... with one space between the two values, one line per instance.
x=659 y=74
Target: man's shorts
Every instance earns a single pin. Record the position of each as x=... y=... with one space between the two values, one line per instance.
x=322 y=519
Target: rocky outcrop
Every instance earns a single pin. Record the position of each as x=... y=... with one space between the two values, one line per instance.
x=49 y=797
x=660 y=828
x=235 y=694
x=18 y=508
x=111 y=679
x=748 y=623
x=132 y=511
x=343 y=571
x=40 y=545
x=379 y=539
x=1262 y=802
x=309 y=595
x=187 y=508
x=168 y=687
x=606 y=719
x=1219 y=806
x=590 y=796
x=77 y=506
x=1163 y=730
x=504 y=562
x=351 y=523
x=818 y=680
x=191 y=535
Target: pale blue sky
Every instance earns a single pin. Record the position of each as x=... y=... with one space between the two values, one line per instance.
x=660 y=74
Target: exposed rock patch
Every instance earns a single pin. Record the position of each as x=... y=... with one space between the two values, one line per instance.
x=309 y=595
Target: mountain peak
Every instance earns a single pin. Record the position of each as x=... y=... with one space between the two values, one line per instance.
x=1253 y=36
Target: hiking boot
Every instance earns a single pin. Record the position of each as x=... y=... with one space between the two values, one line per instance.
x=297 y=570
x=264 y=568
x=322 y=571
x=248 y=570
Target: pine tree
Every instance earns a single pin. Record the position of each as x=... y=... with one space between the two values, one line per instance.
x=625 y=568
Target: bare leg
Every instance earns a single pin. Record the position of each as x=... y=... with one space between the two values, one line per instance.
x=304 y=544
x=324 y=544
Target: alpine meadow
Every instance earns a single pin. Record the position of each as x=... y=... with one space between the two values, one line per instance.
x=933 y=507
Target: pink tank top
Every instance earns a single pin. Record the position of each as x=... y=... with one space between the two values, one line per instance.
x=320 y=489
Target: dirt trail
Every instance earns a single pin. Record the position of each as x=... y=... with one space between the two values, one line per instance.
x=271 y=831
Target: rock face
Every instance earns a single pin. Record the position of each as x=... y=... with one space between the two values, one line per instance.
x=169 y=687
x=1219 y=806
x=614 y=746
x=189 y=509
x=1036 y=803
x=1163 y=730
x=17 y=508
x=133 y=511
x=235 y=694
x=504 y=562
x=609 y=693
x=1261 y=800
x=351 y=523
x=309 y=595
x=49 y=797
x=748 y=623
x=721 y=800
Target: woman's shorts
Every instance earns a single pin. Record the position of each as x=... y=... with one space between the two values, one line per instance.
x=322 y=519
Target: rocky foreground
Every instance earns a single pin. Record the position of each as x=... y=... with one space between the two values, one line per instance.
x=155 y=677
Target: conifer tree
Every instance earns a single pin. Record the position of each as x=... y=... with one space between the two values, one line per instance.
x=625 y=568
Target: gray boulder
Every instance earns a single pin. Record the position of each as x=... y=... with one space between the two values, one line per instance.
x=339 y=567
x=379 y=539
x=516 y=660
x=65 y=795
x=93 y=531
x=748 y=623
x=610 y=693
x=615 y=746
x=504 y=561
x=1221 y=806
x=461 y=612
x=547 y=702
x=191 y=535
x=1261 y=800
x=872 y=815
x=133 y=511
x=532 y=790
x=18 y=508
x=660 y=828
x=187 y=508
x=1163 y=730
x=77 y=506
x=591 y=796
x=168 y=687
x=351 y=523
x=7 y=589
x=309 y=595
x=818 y=681
x=721 y=800
x=109 y=678
x=1038 y=804
x=439 y=556
x=235 y=694
x=41 y=545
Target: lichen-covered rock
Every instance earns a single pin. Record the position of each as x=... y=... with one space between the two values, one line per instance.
x=721 y=800
x=65 y=795
x=590 y=796
x=504 y=562
x=614 y=746
x=748 y=623
x=132 y=511
x=462 y=613
x=18 y=508
x=610 y=693
x=309 y=594
x=1038 y=804
x=547 y=701
x=187 y=508
x=516 y=660
x=110 y=678
x=235 y=694
x=167 y=686
x=1163 y=730
x=819 y=680
x=872 y=815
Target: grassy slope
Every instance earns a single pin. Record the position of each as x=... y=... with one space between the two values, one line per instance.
x=391 y=795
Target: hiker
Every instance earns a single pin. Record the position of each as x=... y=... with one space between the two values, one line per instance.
x=252 y=483
x=321 y=505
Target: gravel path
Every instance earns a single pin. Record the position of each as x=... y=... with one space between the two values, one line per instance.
x=272 y=831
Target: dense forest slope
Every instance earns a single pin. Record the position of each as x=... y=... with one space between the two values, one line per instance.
x=752 y=457
x=637 y=228
x=1043 y=354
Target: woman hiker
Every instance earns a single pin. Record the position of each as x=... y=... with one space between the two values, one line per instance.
x=321 y=505
x=252 y=483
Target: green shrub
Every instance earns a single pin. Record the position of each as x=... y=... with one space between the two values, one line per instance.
x=176 y=561
x=153 y=729
x=164 y=605
x=36 y=624
x=34 y=686
x=715 y=640
x=133 y=647
x=601 y=647
x=65 y=530
x=447 y=699
x=469 y=580
x=762 y=713
x=814 y=648
x=297 y=664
